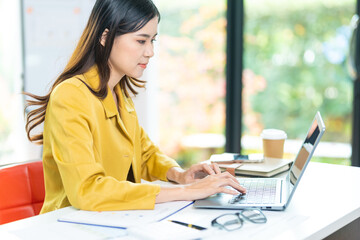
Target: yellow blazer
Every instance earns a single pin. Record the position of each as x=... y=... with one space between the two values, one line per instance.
x=89 y=148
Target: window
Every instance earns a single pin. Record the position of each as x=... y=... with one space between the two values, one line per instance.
x=295 y=63
x=12 y=134
x=191 y=78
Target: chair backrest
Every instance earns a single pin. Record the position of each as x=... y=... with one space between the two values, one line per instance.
x=22 y=191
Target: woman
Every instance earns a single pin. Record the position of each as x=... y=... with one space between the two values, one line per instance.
x=94 y=151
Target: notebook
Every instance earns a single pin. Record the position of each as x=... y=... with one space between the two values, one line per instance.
x=267 y=168
x=271 y=193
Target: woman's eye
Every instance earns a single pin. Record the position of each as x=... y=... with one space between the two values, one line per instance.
x=153 y=40
x=141 y=41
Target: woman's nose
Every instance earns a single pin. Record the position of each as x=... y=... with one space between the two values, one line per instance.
x=149 y=51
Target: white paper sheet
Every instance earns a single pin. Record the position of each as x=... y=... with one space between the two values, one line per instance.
x=165 y=230
x=125 y=219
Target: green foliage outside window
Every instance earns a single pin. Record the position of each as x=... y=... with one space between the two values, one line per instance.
x=294 y=65
x=300 y=49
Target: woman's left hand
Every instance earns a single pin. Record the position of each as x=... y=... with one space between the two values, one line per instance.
x=196 y=172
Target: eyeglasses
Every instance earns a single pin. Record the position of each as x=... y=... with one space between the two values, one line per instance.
x=233 y=221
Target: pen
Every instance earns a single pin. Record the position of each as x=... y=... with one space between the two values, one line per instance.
x=188 y=225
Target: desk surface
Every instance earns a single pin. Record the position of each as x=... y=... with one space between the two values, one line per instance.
x=325 y=201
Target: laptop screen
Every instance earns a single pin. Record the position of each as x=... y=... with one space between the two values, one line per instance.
x=306 y=150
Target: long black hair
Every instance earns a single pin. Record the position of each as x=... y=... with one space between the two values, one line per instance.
x=118 y=17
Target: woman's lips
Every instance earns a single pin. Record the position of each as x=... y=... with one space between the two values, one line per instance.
x=142 y=65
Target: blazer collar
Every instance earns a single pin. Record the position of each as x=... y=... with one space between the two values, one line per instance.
x=126 y=106
x=91 y=78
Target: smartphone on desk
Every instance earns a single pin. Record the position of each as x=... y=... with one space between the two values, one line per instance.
x=254 y=157
x=237 y=158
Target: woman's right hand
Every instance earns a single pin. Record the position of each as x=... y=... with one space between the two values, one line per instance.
x=202 y=188
x=213 y=184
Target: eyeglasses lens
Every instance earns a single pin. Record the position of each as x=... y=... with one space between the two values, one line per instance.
x=230 y=222
x=254 y=215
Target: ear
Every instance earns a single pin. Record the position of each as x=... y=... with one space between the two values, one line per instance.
x=103 y=37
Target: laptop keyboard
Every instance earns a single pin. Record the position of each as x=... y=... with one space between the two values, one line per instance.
x=258 y=191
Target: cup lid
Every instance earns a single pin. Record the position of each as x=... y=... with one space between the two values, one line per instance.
x=273 y=134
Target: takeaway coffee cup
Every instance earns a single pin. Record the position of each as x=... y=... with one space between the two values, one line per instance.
x=273 y=143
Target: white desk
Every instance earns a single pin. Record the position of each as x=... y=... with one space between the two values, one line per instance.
x=327 y=199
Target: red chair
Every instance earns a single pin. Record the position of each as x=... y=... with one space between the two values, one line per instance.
x=22 y=191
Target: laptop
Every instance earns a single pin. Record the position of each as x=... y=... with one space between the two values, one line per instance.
x=270 y=193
